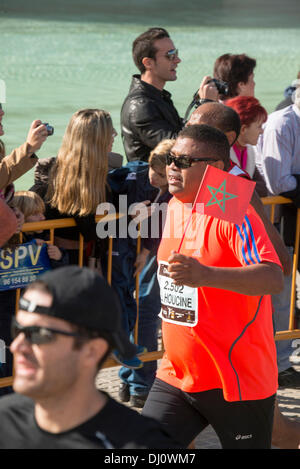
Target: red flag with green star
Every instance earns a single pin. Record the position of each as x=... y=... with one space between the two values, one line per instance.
x=224 y=195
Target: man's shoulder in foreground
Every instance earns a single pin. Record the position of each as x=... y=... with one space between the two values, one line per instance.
x=15 y=405
x=114 y=427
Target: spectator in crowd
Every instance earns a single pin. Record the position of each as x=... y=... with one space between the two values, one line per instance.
x=33 y=208
x=8 y=222
x=289 y=94
x=199 y=383
x=21 y=159
x=148 y=114
x=227 y=120
x=65 y=327
x=8 y=301
x=129 y=187
x=77 y=182
x=220 y=116
x=135 y=384
x=278 y=150
x=243 y=151
x=29 y=207
x=12 y=167
x=237 y=70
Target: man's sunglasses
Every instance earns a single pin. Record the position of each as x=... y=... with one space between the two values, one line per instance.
x=184 y=161
x=172 y=54
x=38 y=335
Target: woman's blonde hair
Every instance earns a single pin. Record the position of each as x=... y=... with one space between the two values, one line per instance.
x=29 y=203
x=157 y=156
x=78 y=179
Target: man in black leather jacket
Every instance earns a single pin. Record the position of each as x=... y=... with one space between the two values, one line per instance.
x=148 y=114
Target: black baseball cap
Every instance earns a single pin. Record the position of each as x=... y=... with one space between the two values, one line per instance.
x=82 y=297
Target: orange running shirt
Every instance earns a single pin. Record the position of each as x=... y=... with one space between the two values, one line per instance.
x=215 y=338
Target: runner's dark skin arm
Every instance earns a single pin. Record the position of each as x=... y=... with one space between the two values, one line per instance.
x=265 y=278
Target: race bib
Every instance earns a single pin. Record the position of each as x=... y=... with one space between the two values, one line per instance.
x=179 y=303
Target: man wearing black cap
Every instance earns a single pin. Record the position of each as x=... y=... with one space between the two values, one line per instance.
x=67 y=323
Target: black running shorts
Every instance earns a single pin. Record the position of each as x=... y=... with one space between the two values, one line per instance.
x=239 y=425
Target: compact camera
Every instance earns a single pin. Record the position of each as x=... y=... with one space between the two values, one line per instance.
x=221 y=86
x=49 y=128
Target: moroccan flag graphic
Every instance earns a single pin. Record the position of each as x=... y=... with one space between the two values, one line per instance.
x=223 y=195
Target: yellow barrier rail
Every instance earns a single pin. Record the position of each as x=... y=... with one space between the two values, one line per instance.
x=52 y=225
x=291 y=333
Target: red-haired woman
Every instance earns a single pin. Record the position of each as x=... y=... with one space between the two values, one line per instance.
x=252 y=115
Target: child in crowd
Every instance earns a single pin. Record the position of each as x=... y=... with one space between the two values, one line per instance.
x=33 y=209
x=29 y=207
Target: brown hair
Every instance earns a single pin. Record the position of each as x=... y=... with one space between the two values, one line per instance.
x=29 y=203
x=233 y=69
x=143 y=46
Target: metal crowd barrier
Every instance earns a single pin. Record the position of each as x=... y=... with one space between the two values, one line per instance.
x=52 y=225
x=292 y=332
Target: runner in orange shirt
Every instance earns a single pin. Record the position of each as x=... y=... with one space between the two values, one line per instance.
x=219 y=365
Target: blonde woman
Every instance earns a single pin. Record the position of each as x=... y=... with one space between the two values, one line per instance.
x=77 y=182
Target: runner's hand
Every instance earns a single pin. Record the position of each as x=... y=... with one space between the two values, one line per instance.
x=185 y=270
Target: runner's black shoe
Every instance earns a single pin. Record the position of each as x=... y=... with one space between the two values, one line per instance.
x=289 y=378
x=124 y=394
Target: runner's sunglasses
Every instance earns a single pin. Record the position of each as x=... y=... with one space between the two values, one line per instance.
x=172 y=54
x=184 y=161
x=38 y=335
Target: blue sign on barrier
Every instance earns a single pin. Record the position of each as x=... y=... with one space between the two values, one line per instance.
x=22 y=265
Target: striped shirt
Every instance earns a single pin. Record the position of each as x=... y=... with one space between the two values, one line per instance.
x=248 y=246
x=279 y=150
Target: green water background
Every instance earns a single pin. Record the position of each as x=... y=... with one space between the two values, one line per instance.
x=59 y=56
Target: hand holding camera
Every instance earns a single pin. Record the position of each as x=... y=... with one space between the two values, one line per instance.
x=211 y=88
x=208 y=89
x=37 y=134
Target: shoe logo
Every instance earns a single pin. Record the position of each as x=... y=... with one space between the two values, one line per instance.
x=243 y=437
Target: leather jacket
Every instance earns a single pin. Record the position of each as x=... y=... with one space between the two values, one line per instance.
x=148 y=116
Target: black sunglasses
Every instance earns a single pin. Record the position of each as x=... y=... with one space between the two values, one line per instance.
x=172 y=54
x=37 y=334
x=184 y=161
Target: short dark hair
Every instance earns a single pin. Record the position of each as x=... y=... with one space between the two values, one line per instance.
x=218 y=115
x=143 y=46
x=216 y=141
x=85 y=335
x=233 y=68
